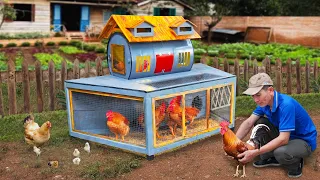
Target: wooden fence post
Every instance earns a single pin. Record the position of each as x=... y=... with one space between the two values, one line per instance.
x=267 y=66
x=76 y=69
x=52 y=81
x=246 y=71
x=237 y=73
x=298 y=73
x=255 y=67
x=289 y=76
x=87 y=69
x=26 y=87
x=216 y=62
x=307 y=77
x=39 y=86
x=315 y=70
x=12 y=87
x=1 y=101
x=226 y=65
x=278 y=75
x=99 y=67
x=63 y=73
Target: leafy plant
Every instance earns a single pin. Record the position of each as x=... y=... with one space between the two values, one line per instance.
x=11 y=45
x=70 y=50
x=51 y=43
x=63 y=43
x=61 y=97
x=86 y=56
x=315 y=85
x=25 y=44
x=1 y=45
x=100 y=50
x=38 y=43
x=41 y=50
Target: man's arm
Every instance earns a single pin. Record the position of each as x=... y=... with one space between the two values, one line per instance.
x=246 y=126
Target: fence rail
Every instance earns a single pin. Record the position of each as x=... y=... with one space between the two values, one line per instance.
x=36 y=90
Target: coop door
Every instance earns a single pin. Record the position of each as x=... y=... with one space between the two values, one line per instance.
x=164 y=63
x=118 y=59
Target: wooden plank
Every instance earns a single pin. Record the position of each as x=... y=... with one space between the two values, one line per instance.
x=298 y=73
x=63 y=73
x=87 y=69
x=216 y=62
x=225 y=65
x=99 y=67
x=52 y=80
x=1 y=98
x=255 y=67
x=246 y=70
x=12 y=97
x=237 y=73
x=307 y=90
x=39 y=86
x=208 y=97
x=76 y=69
x=315 y=70
x=289 y=77
x=278 y=75
x=26 y=87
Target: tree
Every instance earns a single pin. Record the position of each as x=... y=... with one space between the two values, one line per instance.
x=6 y=12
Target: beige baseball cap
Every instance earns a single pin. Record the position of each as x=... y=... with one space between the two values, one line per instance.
x=257 y=82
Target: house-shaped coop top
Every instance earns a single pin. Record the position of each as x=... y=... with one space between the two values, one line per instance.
x=155 y=99
x=141 y=46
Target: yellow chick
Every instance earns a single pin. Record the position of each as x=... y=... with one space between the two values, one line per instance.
x=76 y=153
x=36 y=150
x=87 y=147
x=76 y=161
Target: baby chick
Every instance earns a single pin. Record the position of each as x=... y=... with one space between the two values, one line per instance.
x=36 y=150
x=76 y=153
x=76 y=161
x=87 y=147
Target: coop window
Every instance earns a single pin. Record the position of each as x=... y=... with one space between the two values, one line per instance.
x=164 y=63
x=118 y=59
x=143 y=30
x=185 y=29
x=184 y=59
x=143 y=64
x=24 y=12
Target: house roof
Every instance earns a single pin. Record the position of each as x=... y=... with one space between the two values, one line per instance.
x=111 y=3
x=143 y=2
x=162 y=28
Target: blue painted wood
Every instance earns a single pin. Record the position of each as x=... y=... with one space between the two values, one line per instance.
x=85 y=18
x=68 y=108
x=57 y=17
x=143 y=25
x=148 y=124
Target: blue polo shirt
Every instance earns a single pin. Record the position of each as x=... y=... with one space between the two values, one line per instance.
x=288 y=115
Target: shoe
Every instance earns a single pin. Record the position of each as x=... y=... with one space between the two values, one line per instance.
x=266 y=162
x=298 y=172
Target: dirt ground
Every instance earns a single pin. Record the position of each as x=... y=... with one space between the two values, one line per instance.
x=202 y=160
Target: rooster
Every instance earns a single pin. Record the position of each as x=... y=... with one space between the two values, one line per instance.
x=159 y=117
x=35 y=135
x=175 y=114
x=118 y=124
x=233 y=146
x=119 y=65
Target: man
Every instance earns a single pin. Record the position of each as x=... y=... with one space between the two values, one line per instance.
x=292 y=136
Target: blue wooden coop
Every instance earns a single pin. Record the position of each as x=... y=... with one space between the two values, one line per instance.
x=166 y=100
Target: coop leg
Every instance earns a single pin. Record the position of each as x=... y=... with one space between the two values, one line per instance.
x=244 y=171
x=149 y=158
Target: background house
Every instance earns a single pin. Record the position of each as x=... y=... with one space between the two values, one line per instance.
x=81 y=15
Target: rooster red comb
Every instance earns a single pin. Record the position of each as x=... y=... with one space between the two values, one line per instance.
x=109 y=113
x=224 y=124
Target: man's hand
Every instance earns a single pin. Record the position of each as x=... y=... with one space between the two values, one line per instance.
x=248 y=156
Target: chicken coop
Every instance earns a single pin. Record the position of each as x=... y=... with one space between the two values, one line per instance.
x=155 y=98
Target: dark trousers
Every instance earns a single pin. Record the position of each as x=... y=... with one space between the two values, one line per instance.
x=289 y=155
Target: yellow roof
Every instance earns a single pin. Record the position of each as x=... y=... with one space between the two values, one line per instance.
x=161 y=25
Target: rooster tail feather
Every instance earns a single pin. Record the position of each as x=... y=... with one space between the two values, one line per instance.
x=256 y=128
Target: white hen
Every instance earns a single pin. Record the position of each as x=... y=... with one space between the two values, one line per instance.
x=87 y=147
x=76 y=153
x=76 y=161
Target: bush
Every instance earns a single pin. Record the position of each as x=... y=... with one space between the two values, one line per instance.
x=50 y=43
x=199 y=51
x=75 y=43
x=25 y=44
x=63 y=43
x=38 y=43
x=100 y=50
x=213 y=53
x=231 y=55
x=11 y=45
x=90 y=48
x=1 y=45
x=57 y=34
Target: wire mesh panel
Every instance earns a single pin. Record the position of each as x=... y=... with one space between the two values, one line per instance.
x=110 y=116
x=195 y=112
x=221 y=104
